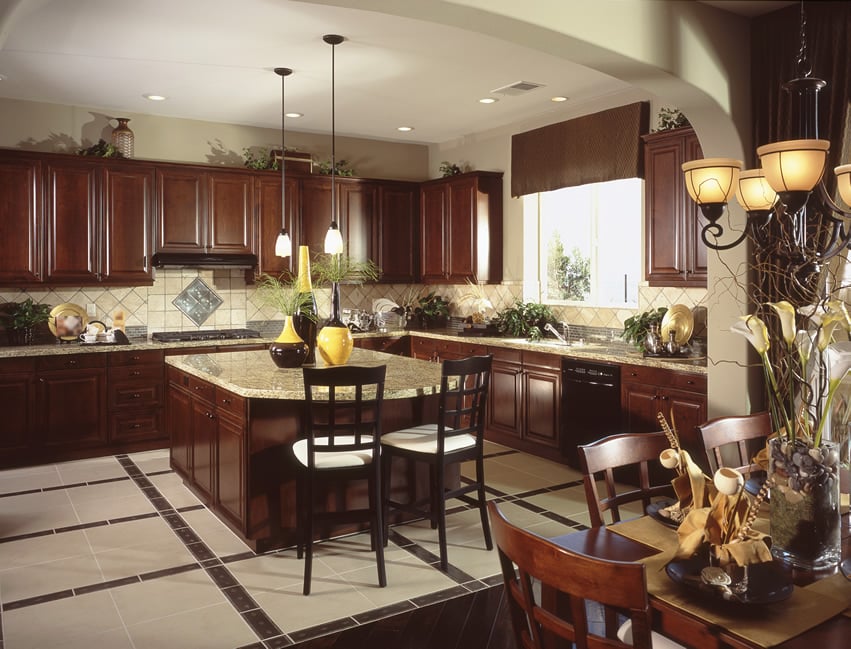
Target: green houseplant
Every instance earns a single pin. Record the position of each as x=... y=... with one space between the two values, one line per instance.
x=636 y=328
x=524 y=320
x=433 y=310
x=285 y=294
x=22 y=319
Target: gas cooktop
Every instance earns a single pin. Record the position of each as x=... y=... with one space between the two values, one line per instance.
x=204 y=334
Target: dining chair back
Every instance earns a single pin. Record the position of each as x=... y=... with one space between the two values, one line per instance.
x=457 y=436
x=341 y=443
x=733 y=441
x=570 y=583
x=600 y=458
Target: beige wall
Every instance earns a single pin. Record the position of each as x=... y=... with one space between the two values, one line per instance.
x=54 y=127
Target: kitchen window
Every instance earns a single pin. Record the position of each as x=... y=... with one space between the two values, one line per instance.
x=589 y=243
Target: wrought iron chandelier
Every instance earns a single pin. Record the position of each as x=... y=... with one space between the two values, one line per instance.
x=790 y=214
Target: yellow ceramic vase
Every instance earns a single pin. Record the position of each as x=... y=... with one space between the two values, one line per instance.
x=289 y=349
x=335 y=344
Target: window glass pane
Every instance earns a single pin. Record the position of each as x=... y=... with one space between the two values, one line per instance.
x=590 y=244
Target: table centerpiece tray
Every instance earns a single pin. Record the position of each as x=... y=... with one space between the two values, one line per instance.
x=767 y=582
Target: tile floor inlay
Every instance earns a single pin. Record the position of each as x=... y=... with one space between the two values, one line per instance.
x=131 y=556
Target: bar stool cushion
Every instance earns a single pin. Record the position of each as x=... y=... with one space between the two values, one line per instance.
x=334 y=459
x=659 y=641
x=423 y=439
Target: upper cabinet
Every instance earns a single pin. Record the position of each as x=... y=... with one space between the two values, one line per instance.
x=461 y=229
x=675 y=254
x=72 y=220
x=200 y=209
x=267 y=202
x=396 y=232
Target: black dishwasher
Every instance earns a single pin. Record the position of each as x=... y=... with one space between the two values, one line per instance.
x=590 y=406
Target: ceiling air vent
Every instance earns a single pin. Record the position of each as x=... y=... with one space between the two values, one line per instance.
x=516 y=88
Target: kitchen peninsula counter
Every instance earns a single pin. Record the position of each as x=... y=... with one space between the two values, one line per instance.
x=232 y=417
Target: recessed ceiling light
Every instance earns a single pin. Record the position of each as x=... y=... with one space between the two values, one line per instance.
x=488 y=100
x=559 y=98
x=405 y=129
x=294 y=115
x=154 y=97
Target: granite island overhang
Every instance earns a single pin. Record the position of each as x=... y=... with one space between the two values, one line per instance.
x=232 y=417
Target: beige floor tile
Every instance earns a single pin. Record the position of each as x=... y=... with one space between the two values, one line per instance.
x=566 y=502
x=272 y=572
x=43 y=549
x=37 y=477
x=213 y=627
x=142 y=558
x=214 y=533
x=172 y=488
x=407 y=577
x=113 y=639
x=553 y=472
x=50 y=577
x=330 y=599
x=129 y=533
x=548 y=529
x=151 y=461
x=118 y=489
x=507 y=480
x=66 y=622
x=110 y=508
x=99 y=468
x=165 y=596
x=36 y=513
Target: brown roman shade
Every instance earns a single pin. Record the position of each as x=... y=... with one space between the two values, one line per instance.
x=589 y=149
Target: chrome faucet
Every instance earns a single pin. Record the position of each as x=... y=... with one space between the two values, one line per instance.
x=554 y=331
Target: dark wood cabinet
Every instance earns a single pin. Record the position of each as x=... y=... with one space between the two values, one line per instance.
x=21 y=222
x=438 y=350
x=135 y=396
x=679 y=396
x=399 y=345
x=461 y=229
x=17 y=393
x=267 y=201
x=396 y=251
x=126 y=231
x=355 y=210
x=200 y=209
x=71 y=402
x=505 y=407
x=675 y=254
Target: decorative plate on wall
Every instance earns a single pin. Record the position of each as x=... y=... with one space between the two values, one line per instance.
x=67 y=321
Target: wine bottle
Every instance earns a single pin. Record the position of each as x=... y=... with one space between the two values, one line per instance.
x=306 y=316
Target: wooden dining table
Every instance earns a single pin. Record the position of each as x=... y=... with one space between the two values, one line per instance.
x=690 y=625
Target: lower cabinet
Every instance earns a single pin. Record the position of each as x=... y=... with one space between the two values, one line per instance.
x=438 y=350
x=17 y=396
x=525 y=401
x=135 y=387
x=679 y=396
x=398 y=345
x=208 y=443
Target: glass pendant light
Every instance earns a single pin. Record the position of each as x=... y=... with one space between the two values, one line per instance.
x=333 y=238
x=283 y=244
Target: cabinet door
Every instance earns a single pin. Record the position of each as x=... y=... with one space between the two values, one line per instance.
x=315 y=214
x=71 y=215
x=181 y=210
x=16 y=404
x=686 y=411
x=72 y=408
x=396 y=231
x=434 y=223
x=127 y=225
x=505 y=402
x=230 y=463
x=267 y=193
x=542 y=394
x=356 y=209
x=696 y=249
x=203 y=448
x=20 y=221
x=230 y=220
x=664 y=234
x=179 y=425
x=460 y=244
x=424 y=349
x=639 y=406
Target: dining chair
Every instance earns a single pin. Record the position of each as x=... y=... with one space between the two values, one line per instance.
x=342 y=430
x=573 y=587
x=599 y=459
x=733 y=441
x=457 y=436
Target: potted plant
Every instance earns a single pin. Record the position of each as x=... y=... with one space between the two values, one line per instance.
x=433 y=311
x=636 y=328
x=289 y=349
x=22 y=320
x=524 y=320
x=334 y=340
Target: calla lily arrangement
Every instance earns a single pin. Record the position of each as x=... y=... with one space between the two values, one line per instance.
x=801 y=384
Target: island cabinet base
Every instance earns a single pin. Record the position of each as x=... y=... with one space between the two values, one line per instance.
x=233 y=453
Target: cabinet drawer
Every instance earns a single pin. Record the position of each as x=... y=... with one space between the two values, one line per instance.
x=136 y=373
x=130 y=426
x=506 y=355
x=472 y=349
x=202 y=389
x=136 y=394
x=663 y=378
x=70 y=362
x=230 y=402
x=542 y=359
x=16 y=365
x=136 y=358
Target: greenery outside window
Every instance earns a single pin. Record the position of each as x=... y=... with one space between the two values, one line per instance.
x=589 y=243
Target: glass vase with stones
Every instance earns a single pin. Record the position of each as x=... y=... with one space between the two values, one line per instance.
x=805 y=516
x=334 y=341
x=288 y=350
x=306 y=315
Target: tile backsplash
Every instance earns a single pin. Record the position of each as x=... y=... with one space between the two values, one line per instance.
x=152 y=308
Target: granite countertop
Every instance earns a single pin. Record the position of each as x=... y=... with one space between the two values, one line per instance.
x=253 y=374
x=614 y=352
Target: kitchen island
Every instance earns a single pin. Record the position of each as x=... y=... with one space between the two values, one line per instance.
x=231 y=418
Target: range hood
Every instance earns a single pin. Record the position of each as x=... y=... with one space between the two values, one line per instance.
x=203 y=260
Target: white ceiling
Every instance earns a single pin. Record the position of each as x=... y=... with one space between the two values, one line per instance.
x=214 y=60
